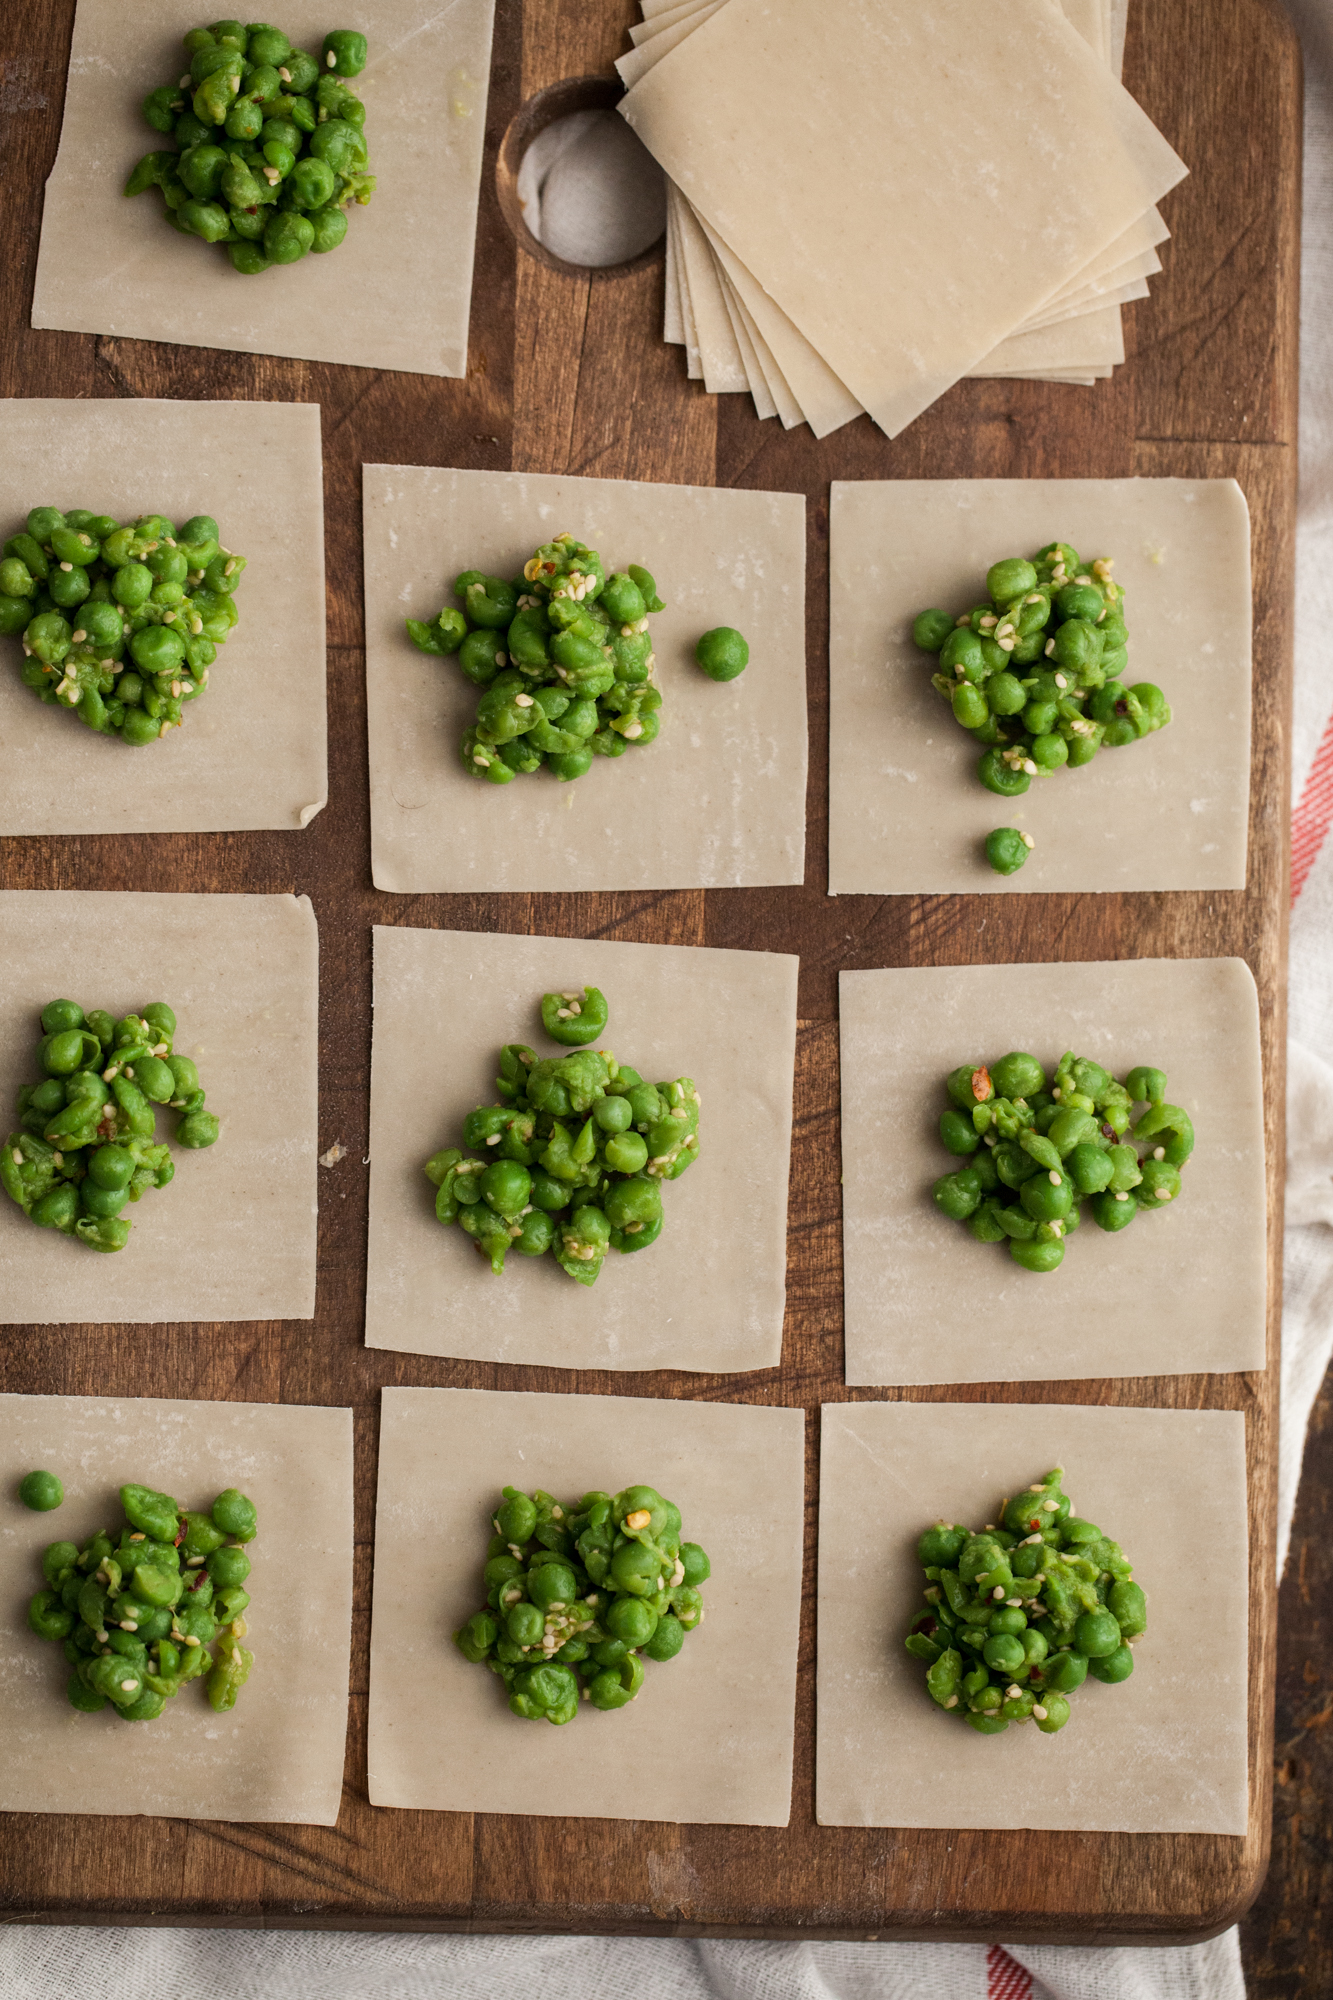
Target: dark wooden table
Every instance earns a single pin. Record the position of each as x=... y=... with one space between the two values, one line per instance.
x=571 y=374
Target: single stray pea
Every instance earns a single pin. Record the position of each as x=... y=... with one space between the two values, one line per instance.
x=722 y=653
x=1007 y=849
x=41 y=1491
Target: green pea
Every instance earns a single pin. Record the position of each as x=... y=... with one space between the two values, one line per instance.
x=235 y=1515
x=1049 y=752
x=575 y=1019
x=1003 y=1653
x=197 y=1130
x=227 y=1567
x=201 y=1536
x=330 y=227
x=525 y=1625
x=958 y=1133
x=613 y=1114
x=287 y=238
x=695 y=1564
x=1089 y=1168
x=930 y=630
x=962 y=648
x=505 y=1187
x=1051 y=1712
x=48 y=635
x=342 y=145
x=58 y=1209
x=1007 y=850
x=1005 y=780
x=1010 y=579
x=102 y=1202
x=1047 y=1197
x=722 y=654
x=970 y=707
x=1112 y=1668
x=1097 y=1634
x=632 y=1621
x=58 y=1567
x=623 y=601
x=345 y=52
x=1034 y=1255
x=552 y=1583
x=1127 y=1605
x=1113 y=1210
x=956 y=1195
x=627 y=1153
x=202 y=168
x=41 y=1491
x=132 y=585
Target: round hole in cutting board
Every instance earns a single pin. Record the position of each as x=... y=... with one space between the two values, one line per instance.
x=579 y=191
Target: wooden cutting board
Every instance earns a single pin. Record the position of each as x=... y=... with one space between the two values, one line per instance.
x=570 y=374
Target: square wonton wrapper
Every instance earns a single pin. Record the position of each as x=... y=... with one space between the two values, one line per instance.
x=1163 y=1752
x=441 y=1734
x=926 y=1302
x=717 y=802
x=252 y=750
x=395 y=294
x=907 y=813
x=772 y=120
x=709 y=1294
x=233 y=1235
x=278 y=1755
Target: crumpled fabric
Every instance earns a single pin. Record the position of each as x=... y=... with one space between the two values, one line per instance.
x=591 y=191
x=1307 y=1316
x=107 y=1964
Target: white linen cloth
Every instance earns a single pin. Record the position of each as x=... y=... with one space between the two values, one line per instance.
x=75 y=1963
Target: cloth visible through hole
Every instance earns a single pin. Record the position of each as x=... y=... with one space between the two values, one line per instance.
x=590 y=190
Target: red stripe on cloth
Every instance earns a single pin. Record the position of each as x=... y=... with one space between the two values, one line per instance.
x=1006 y=1979
x=1314 y=814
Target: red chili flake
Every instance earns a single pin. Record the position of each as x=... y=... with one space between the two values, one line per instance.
x=1034 y=1524
x=181 y=1532
x=982 y=1087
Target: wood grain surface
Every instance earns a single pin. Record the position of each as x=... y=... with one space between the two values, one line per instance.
x=570 y=374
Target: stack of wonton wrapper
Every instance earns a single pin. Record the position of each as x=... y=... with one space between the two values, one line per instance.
x=870 y=199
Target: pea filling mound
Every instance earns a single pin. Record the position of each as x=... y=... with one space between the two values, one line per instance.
x=1064 y=623
x=1020 y=1613
x=87 y=1140
x=574 y=1156
x=1033 y=1154
x=578 y=1597
x=270 y=143
x=564 y=659
x=120 y=624
x=138 y=1612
